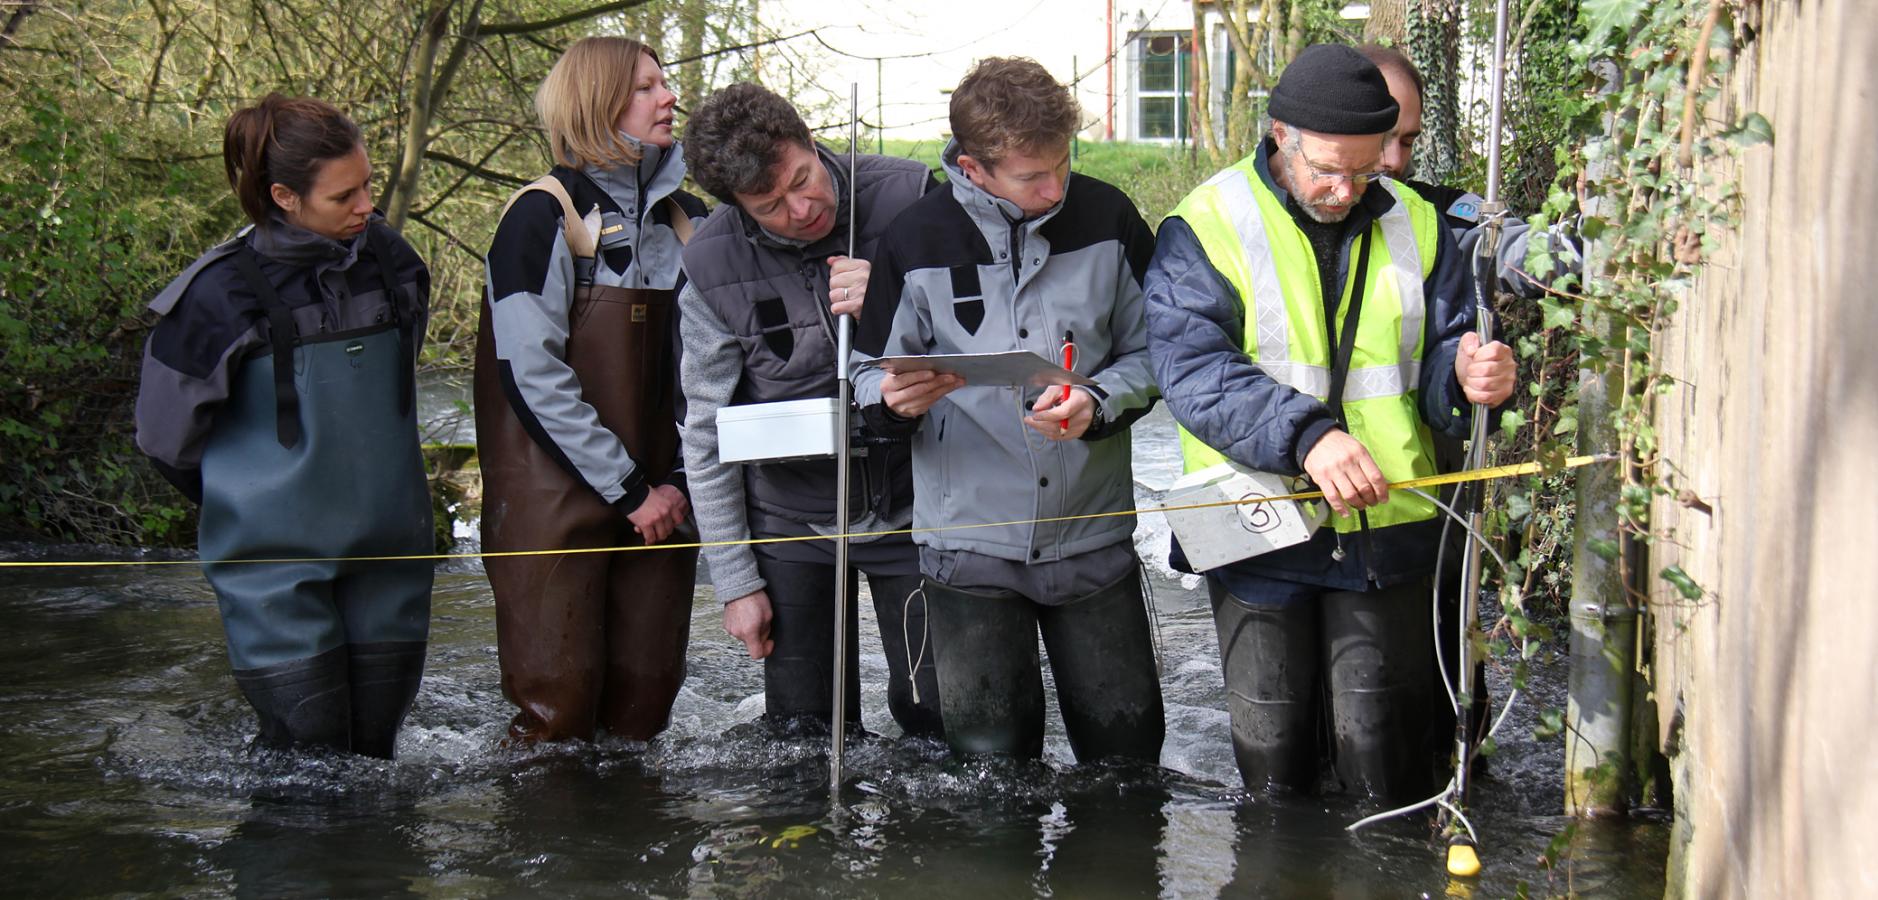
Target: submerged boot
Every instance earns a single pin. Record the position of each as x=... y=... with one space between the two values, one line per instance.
x=1103 y=657
x=912 y=675
x=1269 y=656
x=990 y=676
x=385 y=677
x=1383 y=683
x=301 y=703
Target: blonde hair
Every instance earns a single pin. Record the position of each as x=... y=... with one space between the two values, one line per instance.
x=582 y=98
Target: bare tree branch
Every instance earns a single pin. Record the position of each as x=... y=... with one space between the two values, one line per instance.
x=453 y=239
x=15 y=21
x=474 y=169
x=502 y=28
x=467 y=171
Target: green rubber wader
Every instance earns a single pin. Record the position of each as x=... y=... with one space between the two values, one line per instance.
x=352 y=485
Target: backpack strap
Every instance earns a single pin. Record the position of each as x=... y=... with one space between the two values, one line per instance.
x=579 y=240
x=282 y=333
x=681 y=222
x=407 y=337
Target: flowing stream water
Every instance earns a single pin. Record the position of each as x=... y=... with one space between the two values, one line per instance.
x=124 y=769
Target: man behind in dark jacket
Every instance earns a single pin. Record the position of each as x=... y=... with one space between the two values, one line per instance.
x=768 y=273
x=1459 y=206
x=1308 y=315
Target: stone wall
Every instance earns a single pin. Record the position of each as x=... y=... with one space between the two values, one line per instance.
x=1767 y=688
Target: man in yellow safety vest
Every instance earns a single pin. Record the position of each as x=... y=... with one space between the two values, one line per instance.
x=1308 y=315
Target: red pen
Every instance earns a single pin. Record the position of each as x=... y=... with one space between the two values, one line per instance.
x=1069 y=362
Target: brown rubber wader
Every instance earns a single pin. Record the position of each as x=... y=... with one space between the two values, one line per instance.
x=593 y=638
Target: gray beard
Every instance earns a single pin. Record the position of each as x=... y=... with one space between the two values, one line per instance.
x=1282 y=175
x=1321 y=216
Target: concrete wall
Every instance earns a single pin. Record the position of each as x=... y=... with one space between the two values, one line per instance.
x=1768 y=687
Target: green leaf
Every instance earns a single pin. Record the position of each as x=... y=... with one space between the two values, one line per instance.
x=1685 y=585
x=1510 y=422
x=1753 y=129
x=1602 y=17
x=1557 y=315
x=1518 y=506
x=1603 y=547
x=1551 y=723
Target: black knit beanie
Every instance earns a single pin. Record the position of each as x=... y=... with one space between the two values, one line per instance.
x=1332 y=89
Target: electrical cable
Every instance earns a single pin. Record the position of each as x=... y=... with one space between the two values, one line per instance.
x=1442 y=798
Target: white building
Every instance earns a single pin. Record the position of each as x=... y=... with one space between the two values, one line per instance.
x=1130 y=62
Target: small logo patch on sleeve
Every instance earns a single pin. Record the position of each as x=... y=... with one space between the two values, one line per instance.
x=1467 y=207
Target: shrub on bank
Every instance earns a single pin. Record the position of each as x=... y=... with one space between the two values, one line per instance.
x=89 y=231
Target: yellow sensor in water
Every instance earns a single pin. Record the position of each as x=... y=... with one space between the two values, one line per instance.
x=1463 y=860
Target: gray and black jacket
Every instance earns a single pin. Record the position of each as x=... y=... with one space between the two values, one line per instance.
x=531 y=278
x=756 y=328
x=213 y=321
x=971 y=275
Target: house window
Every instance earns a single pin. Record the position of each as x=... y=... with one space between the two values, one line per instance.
x=1161 y=85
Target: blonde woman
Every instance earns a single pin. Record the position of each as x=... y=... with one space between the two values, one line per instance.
x=575 y=415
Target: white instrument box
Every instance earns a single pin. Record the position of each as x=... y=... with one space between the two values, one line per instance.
x=1216 y=535
x=784 y=430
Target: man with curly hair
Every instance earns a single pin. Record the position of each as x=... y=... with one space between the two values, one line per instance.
x=1021 y=254
x=768 y=275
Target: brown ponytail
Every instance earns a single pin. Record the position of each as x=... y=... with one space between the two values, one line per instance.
x=281 y=140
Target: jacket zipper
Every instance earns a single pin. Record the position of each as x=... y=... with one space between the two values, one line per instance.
x=1017 y=258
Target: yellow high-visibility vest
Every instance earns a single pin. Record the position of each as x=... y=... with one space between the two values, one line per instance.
x=1251 y=240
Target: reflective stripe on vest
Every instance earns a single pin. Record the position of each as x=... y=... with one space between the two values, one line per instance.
x=1252 y=241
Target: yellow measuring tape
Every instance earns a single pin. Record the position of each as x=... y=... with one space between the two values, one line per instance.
x=1488 y=474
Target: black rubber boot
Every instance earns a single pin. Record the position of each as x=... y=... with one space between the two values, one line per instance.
x=385 y=677
x=798 y=680
x=1106 y=684
x=301 y=703
x=905 y=637
x=1268 y=655
x=1382 y=676
x=990 y=677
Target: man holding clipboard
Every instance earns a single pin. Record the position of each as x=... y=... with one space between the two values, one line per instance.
x=1014 y=260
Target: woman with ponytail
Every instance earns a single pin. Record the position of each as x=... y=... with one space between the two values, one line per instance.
x=576 y=426
x=278 y=392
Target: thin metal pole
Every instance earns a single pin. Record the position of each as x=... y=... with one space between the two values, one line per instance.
x=1486 y=270
x=844 y=327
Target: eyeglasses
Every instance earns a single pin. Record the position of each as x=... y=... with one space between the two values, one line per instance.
x=1322 y=177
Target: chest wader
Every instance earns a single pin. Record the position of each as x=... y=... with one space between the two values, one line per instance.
x=316 y=455
x=593 y=638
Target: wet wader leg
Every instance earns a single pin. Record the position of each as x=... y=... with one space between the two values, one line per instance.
x=990 y=677
x=287 y=649
x=797 y=680
x=301 y=703
x=1106 y=684
x=1269 y=658
x=900 y=610
x=1381 y=657
x=648 y=621
x=550 y=637
x=386 y=608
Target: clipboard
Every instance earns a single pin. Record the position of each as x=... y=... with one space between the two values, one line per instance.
x=1011 y=368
